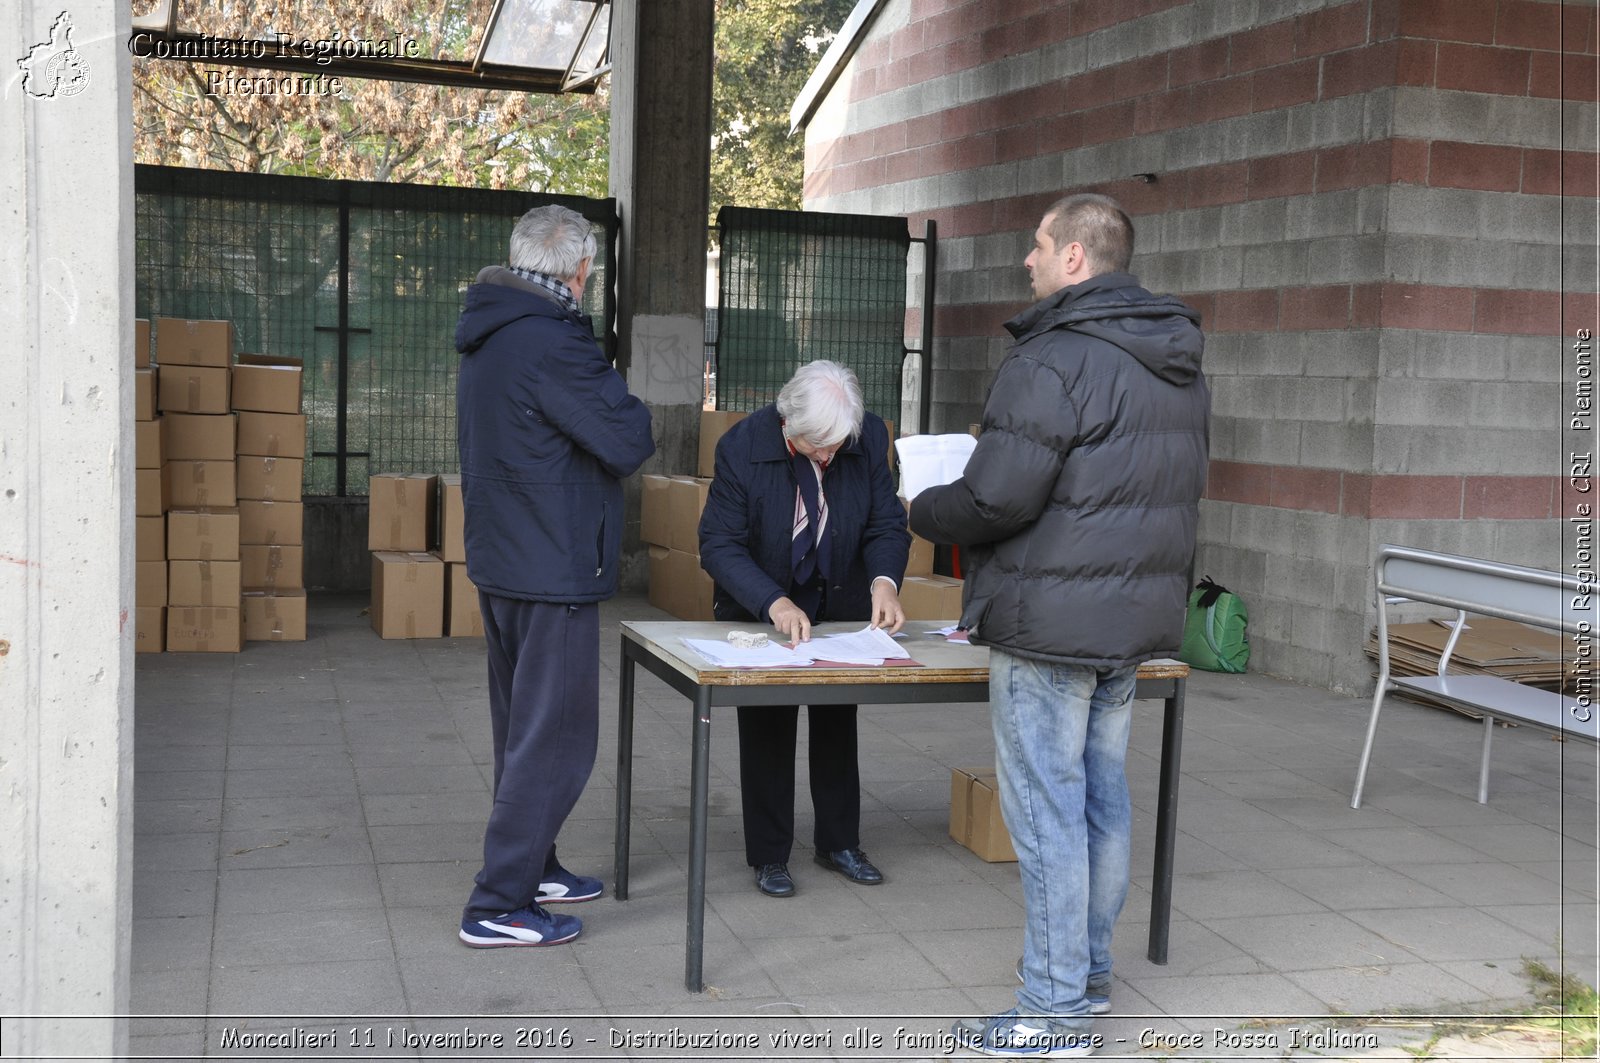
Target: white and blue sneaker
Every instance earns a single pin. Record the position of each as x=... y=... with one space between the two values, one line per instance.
x=563 y=887
x=1010 y=1034
x=526 y=927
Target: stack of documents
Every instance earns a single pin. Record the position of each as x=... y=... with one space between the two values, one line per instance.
x=869 y=647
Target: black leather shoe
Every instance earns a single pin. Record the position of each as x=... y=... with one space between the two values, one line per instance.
x=853 y=865
x=774 y=880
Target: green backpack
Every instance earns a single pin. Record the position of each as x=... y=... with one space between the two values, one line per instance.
x=1213 y=631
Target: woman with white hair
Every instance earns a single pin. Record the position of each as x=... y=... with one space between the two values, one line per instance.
x=802 y=525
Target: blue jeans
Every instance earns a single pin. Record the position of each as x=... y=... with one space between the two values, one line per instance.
x=1060 y=737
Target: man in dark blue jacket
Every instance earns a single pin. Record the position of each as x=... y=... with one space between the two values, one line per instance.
x=547 y=430
x=1078 y=510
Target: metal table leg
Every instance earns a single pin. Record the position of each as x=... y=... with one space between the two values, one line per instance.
x=1166 y=823
x=624 y=773
x=699 y=784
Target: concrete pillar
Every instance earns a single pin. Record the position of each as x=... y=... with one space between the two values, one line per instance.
x=661 y=52
x=66 y=527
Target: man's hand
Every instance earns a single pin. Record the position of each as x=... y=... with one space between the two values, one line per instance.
x=887 y=611
x=790 y=620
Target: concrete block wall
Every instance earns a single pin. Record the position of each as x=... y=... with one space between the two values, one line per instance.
x=1384 y=210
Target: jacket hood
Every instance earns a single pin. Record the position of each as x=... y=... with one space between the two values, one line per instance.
x=1161 y=332
x=496 y=299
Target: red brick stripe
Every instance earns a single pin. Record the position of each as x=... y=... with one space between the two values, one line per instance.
x=1392 y=497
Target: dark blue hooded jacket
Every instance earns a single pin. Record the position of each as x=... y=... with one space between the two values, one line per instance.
x=547 y=430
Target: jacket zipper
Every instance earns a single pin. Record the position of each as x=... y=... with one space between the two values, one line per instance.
x=600 y=546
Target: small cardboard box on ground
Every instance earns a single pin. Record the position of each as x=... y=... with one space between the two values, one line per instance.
x=183 y=342
x=407 y=595
x=267 y=384
x=452 y=520
x=400 y=514
x=193 y=389
x=270 y=479
x=204 y=629
x=655 y=523
x=275 y=617
x=678 y=585
x=931 y=597
x=975 y=819
x=463 y=618
x=713 y=423
x=669 y=511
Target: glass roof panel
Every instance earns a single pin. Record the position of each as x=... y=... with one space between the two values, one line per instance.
x=442 y=29
x=539 y=33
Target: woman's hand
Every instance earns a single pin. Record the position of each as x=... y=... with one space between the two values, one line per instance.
x=790 y=620
x=887 y=612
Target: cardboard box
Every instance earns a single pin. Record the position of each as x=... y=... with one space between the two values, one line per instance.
x=655 y=515
x=182 y=342
x=203 y=535
x=401 y=511
x=271 y=479
x=141 y=346
x=147 y=444
x=193 y=389
x=149 y=584
x=713 y=423
x=931 y=598
x=204 y=629
x=975 y=819
x=198 y=436
x=278 y=617
x=271 y=523
x=203 y=583
x=452 y=519
x=920 y=563
x=267 y=384
x=273 y=568
x=149 y=493
x=149 y=538
x=277 y=435
x=144 y=394
x=463 y=618
x=678 y=585
x=200 y=484
x=407 y=595
x=670 y=508
x=149 y=629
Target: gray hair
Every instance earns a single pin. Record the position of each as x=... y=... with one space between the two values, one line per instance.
x=1098 y=223
x=822 y=404
x=553 y=240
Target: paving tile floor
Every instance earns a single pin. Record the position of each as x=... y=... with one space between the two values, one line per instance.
x=308 y=819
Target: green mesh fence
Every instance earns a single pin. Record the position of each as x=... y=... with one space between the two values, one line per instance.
x=363 y=281
x=798 y=286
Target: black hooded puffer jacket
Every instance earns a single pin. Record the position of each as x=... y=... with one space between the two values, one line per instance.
x=1078 y=508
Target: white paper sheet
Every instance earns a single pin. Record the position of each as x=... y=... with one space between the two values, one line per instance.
x=726 y=655
x=929 y=461
x=869 y=646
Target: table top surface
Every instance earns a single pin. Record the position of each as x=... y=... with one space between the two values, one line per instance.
x=940 y=660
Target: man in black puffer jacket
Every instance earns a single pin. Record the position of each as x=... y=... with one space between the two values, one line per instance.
x=547 y=431
x=1077 y=511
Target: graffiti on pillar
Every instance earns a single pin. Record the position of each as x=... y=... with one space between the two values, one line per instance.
x=54 y=67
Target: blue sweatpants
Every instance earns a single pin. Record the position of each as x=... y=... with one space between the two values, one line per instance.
x=544 y=704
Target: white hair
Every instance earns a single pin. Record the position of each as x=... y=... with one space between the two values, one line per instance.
x=553 y=240
x=822 y=404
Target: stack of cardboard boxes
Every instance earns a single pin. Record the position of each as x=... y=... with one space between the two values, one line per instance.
x=271 y=464
x=669 y=524
x=193 y=565
x=418 y=592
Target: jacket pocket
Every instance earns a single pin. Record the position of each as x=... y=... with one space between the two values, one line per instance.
x=600 y=541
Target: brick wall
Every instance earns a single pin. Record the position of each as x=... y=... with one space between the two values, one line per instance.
x=1384 y=210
